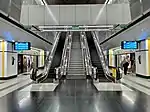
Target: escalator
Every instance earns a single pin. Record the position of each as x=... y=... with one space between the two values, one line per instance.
x=96 y=62
x=56 y=59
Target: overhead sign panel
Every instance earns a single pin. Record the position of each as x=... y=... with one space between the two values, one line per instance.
x=22 y=46
x=129 y=45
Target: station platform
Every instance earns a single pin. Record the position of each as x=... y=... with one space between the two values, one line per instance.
x=22 y=95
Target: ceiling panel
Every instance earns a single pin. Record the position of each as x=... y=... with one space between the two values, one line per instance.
x=138 y=32
x=10 y=32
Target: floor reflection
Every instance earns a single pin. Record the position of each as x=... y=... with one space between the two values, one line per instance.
x=75 y=96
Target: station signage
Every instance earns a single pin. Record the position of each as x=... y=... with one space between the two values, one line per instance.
x=129 y=45
x=22 y=46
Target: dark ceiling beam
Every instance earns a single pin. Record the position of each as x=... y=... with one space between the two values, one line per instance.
x=67 y=2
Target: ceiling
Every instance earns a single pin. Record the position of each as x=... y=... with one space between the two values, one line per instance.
x=67 y=2
x=10 y=32
x=138 y=32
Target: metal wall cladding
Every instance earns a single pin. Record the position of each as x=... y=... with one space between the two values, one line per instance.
x=75 y=14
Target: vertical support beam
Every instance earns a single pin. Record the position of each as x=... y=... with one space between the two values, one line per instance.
x=3 y=58
x=148 y=43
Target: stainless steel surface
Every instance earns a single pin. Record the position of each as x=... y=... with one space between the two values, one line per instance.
x=102 y=57
x=90 y=70
x=49 y=59
x=62 y=69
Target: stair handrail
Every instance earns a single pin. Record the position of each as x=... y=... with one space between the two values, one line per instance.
x=102 y=57
x=62 y=69
x=86 y=56
x=49 y=59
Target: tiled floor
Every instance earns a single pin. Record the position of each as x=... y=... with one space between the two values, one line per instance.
x=75 y=96
x=41 y=87
x=11 y=85
x=137 y=83
x=111 y=87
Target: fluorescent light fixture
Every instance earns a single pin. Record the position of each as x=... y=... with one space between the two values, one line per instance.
x=52 y=30
x=86 y=26
x=42 y=27
x=100 y=26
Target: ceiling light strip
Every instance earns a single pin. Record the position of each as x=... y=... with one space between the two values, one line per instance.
x=86 y=26
x=64 y=30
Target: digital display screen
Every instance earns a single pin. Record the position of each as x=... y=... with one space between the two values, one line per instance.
x=129 y=45
x=22 y=46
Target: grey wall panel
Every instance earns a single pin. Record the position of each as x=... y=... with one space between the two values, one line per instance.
x=114 y=16
x=67 y=15
x=82 y=14
x=36 y=15
x=98 y=14
x=25 y=15
x=15 y=12
x=76 y=14
x=52 y=15
x=4 y=4
x=146 y=5
x=135 y=8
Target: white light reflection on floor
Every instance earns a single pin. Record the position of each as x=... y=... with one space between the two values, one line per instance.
x=128 y=98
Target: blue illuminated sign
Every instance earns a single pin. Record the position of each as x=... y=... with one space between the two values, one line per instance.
x=129 y=45
x=22 y=46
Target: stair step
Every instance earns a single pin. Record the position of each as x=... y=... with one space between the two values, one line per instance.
x=77 y=68
x=76 y=76
x=78 y=72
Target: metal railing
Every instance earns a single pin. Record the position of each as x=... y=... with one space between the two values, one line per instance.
x=102 y=57
x=62 y=69
x=49 y=60
x=90 y=70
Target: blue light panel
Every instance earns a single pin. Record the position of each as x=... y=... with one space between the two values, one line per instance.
x=22 y=46
x=129 y=45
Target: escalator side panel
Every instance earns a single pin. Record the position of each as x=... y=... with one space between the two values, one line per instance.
x=94 y=57
x=57 y=57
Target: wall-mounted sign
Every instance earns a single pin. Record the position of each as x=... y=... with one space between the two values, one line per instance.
x=22 y=46
x=129 y=45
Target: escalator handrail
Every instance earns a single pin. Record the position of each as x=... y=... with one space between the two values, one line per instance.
x=102 y=58
x=49 y=59
x=65 y=58
x=86 y=54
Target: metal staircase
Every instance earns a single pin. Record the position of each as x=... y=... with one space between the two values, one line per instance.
x=76 y=69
